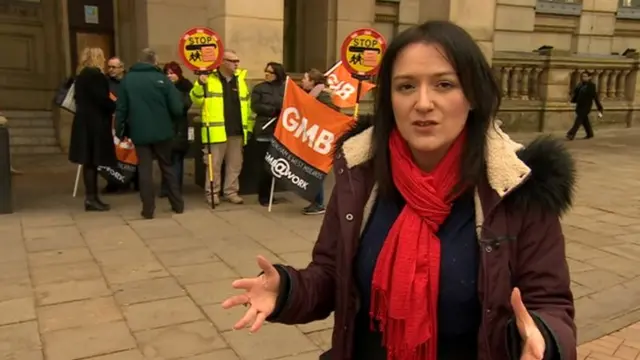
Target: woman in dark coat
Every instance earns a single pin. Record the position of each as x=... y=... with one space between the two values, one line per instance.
x=442 y=238
x=266 y=103
x=181 y=126
x=91 y=143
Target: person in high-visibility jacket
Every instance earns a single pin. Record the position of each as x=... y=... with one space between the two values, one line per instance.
x=226 y=124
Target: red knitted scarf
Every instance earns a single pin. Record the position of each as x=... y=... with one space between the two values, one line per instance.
x=406 y=277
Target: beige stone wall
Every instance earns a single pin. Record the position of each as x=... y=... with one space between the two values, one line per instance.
x=349 y=16
x=408 y=14
x=626 y=35
x=475 y=16
x=554 y=30
x=254 y=32
x=596 y=27
x=514 y=25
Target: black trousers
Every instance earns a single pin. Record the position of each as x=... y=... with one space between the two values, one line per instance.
x=90 y=179
x=581 y=120
x=162 y=152
x=264 y=175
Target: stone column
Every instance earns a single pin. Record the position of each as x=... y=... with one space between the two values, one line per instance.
x=596 y=28
x=408 y=14
x=475 y=16
x=254 y=31
x=514 y=24
x=346 y=16
x=314 y=34
x=158 y=24
x=557 y=112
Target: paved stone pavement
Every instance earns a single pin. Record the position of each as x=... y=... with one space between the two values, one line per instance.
x=76 y=285
x=621 y=345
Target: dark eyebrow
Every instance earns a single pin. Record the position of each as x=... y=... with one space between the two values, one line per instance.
x=435 y=75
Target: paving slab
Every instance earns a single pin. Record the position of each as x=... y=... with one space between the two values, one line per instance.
x=111 y=286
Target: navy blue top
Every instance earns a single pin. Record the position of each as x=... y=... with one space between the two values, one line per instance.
x=459 y=310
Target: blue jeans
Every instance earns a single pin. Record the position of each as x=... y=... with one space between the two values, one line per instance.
x=177 y=159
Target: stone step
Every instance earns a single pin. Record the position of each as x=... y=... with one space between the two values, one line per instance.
x=35 y=149
x=32 y=131
x=26 y=114
x=33 y=140
x=35 y=122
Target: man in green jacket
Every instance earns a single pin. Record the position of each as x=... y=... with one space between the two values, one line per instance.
x=147 y=105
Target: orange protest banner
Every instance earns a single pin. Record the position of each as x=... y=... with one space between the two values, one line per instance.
x=300 y=154
x=344 y=86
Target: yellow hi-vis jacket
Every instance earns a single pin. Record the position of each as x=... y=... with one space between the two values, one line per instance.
x=212 y=105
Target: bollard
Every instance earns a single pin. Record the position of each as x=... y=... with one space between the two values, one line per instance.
x=6 y=196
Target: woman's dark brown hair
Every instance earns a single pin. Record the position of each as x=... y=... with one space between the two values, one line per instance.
x=478 y=84
x=174 y=67
x=317 y=77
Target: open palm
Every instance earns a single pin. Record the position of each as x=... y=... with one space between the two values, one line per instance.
x=533 y=344
x=259 y=297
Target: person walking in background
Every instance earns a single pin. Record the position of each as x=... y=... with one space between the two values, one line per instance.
x=91 y=143
x=315 y=83
x=181 y=125
x=148 y=104
x=584 y=95
x=266 y=103
x=115 y=72
x=223 y=96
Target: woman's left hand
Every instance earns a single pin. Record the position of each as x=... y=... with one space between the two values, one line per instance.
x=533 y=344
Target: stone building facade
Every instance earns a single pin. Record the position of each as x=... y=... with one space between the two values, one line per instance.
x=40 y=40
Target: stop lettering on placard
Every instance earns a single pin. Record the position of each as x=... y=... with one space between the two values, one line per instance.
x=362 y=52
x=200 y=49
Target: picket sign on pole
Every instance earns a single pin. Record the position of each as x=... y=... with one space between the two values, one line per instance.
x=361 y=53
x=201 y=50
x=273 y=189
x=75 y=186
x=273 y=179
x=300 y=153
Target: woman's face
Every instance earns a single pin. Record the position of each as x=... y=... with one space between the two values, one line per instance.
x=171 y=75
x=269 y=74
x=307 y=84
x=429 y=105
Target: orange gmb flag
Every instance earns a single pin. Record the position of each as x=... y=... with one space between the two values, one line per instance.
x=301 y=152
x=344 y=86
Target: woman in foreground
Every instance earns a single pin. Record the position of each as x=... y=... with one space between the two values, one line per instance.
x=442 y=237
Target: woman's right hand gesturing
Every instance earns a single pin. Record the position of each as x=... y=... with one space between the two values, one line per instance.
x=259 y=297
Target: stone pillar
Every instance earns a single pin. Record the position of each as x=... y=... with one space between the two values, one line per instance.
x=556 y=93
x=596 y=28
x=314 y=35
x=132 y=32
x=408 y=14
x=476 y=16
x=254 y=32
x=346 y=16
x=161 y=28
x=514 y=25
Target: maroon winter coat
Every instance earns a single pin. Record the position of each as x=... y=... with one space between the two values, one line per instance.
x=519 y=232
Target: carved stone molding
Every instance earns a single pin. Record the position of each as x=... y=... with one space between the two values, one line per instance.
x=20 y=10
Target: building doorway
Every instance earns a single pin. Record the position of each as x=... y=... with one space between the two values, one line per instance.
x=91 y=24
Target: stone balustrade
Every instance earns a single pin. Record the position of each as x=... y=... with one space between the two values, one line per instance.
x=536 y=88
x=519 y=77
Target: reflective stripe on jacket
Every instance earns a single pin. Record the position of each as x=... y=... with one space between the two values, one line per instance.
x=212 y=105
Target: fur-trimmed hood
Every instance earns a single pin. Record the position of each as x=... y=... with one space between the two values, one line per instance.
x=541 y=174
